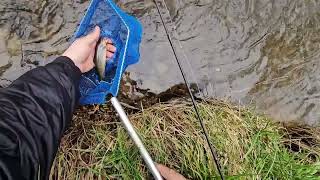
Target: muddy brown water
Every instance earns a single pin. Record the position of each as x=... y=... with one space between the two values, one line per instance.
x=262 y=52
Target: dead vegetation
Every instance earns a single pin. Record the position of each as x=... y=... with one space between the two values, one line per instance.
x=250 y=146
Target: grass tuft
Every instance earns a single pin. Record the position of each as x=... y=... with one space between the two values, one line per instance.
x=249 y=146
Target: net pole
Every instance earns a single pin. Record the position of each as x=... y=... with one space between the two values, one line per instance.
x=136 y=139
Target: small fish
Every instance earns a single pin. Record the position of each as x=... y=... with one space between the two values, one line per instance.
x=100 y=58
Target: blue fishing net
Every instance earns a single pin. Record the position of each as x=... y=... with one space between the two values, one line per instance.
x=126 y=32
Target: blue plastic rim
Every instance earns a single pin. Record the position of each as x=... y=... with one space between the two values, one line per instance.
x=126 y=32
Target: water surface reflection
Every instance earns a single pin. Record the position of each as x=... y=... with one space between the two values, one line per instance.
x=264 y=52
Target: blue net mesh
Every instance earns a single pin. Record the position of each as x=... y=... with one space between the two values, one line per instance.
x=126 y=32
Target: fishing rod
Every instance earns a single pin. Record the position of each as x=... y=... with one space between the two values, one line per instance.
x=212 y=148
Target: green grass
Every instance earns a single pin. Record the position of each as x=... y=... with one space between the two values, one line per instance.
x=249 y=146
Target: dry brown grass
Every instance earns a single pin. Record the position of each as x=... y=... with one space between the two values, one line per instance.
x=249 y=146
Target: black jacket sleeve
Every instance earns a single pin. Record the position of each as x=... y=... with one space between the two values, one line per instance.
x=35 y=110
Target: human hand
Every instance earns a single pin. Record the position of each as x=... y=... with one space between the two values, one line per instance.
x=82 y=50
x=169 y=174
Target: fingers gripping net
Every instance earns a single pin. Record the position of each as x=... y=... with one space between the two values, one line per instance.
x=126 y=32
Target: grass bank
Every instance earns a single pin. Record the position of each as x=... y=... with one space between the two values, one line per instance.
x=249 y=146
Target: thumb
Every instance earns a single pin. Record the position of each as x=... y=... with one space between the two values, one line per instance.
x=168 y=173
x=93 y=36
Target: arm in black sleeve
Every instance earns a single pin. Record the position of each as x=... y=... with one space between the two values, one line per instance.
x=35 y=110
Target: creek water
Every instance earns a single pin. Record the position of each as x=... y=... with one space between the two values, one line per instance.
x=261 y=52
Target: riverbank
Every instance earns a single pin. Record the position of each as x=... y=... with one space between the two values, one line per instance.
x=250 y=146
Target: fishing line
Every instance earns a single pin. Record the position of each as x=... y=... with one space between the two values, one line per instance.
x=184 y=53
x=181 y=47
x=212 y=149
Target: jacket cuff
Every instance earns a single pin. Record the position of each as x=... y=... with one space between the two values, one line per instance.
x=75 y=71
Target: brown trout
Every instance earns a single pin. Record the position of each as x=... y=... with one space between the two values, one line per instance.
x=100 y=58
